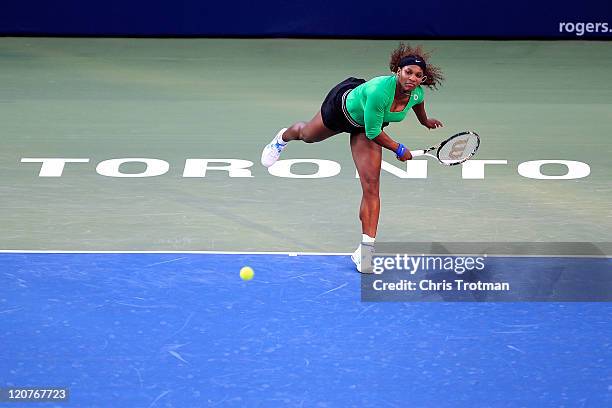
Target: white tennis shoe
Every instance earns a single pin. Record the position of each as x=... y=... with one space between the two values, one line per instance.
x=364 y=253
x=272 y=151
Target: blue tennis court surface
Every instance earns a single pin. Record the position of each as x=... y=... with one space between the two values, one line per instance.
x=182 y=330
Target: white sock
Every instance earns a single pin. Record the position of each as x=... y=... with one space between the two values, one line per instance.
x=367 y=239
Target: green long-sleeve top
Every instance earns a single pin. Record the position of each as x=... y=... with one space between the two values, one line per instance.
x=370 y=104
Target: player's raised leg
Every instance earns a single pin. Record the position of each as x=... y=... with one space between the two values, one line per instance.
x=309 y=132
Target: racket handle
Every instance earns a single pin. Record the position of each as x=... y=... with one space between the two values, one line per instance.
x=417 y=153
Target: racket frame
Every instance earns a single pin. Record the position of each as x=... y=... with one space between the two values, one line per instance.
x=426 y=152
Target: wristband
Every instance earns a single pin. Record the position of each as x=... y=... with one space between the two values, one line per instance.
x=401 y=149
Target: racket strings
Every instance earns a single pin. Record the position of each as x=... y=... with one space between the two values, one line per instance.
x=458 y=148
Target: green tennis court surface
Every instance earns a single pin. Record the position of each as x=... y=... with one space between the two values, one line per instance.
x=173 y=100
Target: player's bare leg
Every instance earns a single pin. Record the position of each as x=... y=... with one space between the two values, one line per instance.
x=309 y=132
x=367 y=156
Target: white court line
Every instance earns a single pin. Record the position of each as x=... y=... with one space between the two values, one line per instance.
x=60 y=251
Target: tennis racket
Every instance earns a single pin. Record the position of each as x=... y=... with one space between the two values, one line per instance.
x=454 y=150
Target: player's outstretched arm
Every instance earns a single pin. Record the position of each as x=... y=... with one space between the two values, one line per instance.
x=429 y=123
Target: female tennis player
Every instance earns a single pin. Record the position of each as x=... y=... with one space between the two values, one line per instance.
x=362 y=109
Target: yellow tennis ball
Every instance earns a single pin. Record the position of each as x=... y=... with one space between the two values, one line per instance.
x=247 y=273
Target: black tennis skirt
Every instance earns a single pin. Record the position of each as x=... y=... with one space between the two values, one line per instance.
x=333 y=110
